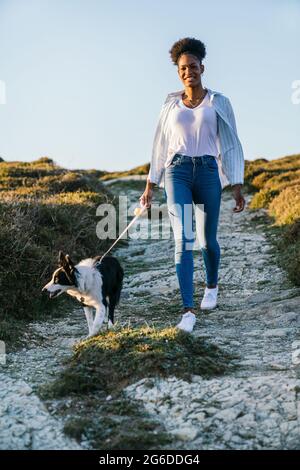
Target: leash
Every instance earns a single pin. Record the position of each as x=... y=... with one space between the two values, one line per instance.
x=138 y=213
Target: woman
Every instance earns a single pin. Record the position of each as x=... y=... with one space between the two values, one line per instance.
x=196 y=153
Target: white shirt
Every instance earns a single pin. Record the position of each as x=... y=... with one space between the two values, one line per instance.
x=192 y=131
x=230 y=152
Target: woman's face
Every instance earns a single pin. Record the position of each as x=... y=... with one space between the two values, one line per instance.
x=190 y=70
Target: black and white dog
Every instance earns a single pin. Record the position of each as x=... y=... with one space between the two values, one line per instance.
x=96 y=285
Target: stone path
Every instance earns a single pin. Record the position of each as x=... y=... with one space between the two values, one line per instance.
x=25 y=423
x=257 y=406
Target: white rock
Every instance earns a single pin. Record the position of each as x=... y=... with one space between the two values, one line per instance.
x=187 y=433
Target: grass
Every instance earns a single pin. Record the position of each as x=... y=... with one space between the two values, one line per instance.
x=115 y=359
x=287 y=242
x=276 y=188
x=138 y=170
x=108 y=363
x=118 y=424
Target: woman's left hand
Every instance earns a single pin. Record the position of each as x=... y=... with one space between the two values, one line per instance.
x=239 y=198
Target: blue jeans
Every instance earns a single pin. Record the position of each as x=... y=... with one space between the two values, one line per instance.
x=195 y=180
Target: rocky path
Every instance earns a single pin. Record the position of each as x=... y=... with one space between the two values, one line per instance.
x=25 y=422
x=256 y=406
x=258 y=319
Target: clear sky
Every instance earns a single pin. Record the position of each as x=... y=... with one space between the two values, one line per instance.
x=85 y=79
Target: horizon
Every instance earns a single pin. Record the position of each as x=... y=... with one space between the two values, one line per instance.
x=126 y=169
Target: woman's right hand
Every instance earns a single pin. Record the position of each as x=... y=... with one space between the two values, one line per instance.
x=147 y=195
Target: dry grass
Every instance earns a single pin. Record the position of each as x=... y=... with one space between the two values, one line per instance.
x=138 y=170
x=276 y=184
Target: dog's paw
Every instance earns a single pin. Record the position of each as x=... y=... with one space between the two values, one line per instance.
x=94 y=333
x=89 y=336
x=111 y=325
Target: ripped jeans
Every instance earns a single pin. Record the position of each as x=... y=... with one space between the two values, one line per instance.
x=188 y=181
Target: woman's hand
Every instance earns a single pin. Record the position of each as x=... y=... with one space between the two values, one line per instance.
x=147 y=195
x=239 y=198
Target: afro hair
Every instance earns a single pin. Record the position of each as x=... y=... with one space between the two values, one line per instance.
x=188 y=45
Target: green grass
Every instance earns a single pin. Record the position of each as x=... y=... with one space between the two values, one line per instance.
x=114 y=359
x=108 y=363
x=117 y=424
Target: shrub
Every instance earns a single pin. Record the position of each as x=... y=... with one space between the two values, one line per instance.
x=277 y=186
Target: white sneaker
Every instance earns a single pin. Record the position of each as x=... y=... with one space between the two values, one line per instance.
x=187 y=322
x=209 y=300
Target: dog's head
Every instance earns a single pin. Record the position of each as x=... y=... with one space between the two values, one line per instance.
x=63 y=278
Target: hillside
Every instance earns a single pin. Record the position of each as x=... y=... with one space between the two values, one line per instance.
x=45 y=207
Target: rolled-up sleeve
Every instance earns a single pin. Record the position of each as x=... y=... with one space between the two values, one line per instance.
x=238 y=164
x=159 y=149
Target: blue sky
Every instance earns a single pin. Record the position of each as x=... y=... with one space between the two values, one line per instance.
x=85 y=79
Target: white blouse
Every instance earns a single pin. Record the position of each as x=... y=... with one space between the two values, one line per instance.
x=230 y=155
x=192 y=131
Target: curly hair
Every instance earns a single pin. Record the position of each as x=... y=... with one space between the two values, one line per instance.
x=187 y=45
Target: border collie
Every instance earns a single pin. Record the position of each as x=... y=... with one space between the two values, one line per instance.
x=96 y=285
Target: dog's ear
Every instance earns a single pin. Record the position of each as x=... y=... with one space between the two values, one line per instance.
x=69 y=262
x=61 y=258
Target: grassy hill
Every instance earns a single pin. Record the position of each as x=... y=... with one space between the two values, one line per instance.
x=45 y=208
x=138 y=170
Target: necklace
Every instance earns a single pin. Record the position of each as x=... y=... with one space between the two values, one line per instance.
x=193 y=102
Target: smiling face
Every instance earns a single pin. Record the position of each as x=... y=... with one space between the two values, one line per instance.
x=63 y=278
x=190 y=70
